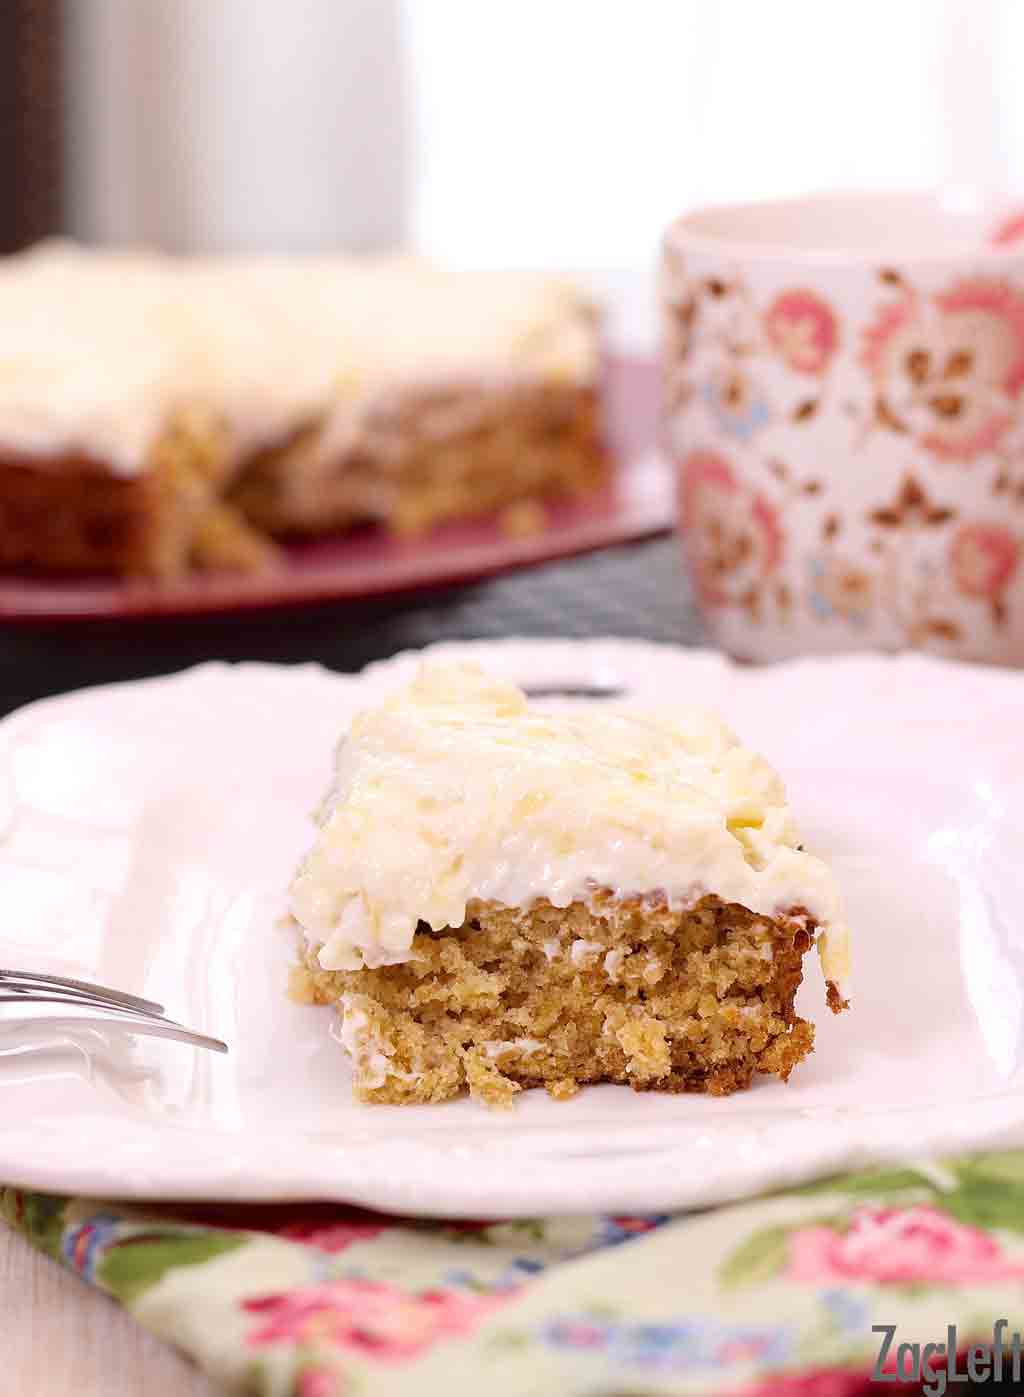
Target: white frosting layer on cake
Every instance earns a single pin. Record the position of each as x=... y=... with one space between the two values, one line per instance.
x=83 y=370
x=98 y=347
x=458 y=789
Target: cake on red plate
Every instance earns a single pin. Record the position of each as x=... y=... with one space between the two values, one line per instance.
x=160 y=414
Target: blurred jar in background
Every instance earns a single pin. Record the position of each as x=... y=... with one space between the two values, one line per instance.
x=31 y=126
x=241 y=125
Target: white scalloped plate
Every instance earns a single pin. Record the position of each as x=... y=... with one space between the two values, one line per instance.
x=148 y=830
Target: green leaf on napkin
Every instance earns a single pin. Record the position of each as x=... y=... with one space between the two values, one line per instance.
x=132 y=1266
x=986 y=1202
x=1006 y=1167
x=869 y=1183
x=757 y=1259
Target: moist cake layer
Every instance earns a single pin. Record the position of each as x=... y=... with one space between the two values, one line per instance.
x=612 y=991
x=76 y=516
x=419 y=457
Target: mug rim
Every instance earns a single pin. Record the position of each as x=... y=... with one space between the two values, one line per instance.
x=996 y=206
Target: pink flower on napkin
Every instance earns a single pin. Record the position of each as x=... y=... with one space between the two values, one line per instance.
x=376 y=1320
x=318 y=1382
x=331 y=1237
x=900 y=1246
x=1010 y=230
x=829 y=1382
x=815 y=1382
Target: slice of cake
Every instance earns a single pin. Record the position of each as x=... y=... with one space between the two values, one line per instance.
x=503 y=896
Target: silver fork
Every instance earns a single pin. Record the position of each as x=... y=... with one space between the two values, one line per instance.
x=97 y=1004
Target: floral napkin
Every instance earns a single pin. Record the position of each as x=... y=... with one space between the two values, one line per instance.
x=775 y=1296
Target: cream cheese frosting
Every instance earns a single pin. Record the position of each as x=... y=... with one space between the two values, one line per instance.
x=457 y=788
x=99 y=346
x=83 y=371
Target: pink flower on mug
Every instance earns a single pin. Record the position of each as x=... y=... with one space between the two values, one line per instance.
x=731 y=535
x=983 y=559
x=377 y=1320
x=803 y=329
x=948 y=369
x=900 y=1246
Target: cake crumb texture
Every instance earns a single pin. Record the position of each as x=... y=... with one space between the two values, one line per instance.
x=614 y=990
x=500 y=449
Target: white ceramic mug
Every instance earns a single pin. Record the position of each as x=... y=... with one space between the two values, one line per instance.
x=844 y=404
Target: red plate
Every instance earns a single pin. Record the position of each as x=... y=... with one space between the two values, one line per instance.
x=636 y=503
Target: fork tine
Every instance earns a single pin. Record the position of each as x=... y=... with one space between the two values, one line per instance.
x=166 y=1028
x=154 y=1025
x=83 y=987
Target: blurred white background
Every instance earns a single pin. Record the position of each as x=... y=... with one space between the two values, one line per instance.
x=544 y=132
x=571 y=131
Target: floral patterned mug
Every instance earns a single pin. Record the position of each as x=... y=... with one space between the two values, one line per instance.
x=844 y=405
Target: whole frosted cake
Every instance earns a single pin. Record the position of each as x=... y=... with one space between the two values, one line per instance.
x=503 y=896
x=159 y=414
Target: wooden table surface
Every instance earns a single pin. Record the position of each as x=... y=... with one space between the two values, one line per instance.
x=63 y=1339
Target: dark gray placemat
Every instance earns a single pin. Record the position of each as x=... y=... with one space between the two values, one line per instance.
x=638 y=590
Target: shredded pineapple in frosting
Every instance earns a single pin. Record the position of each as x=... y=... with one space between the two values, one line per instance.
x=457 y=788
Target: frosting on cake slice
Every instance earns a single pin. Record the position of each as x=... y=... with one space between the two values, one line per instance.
x=458 y=789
